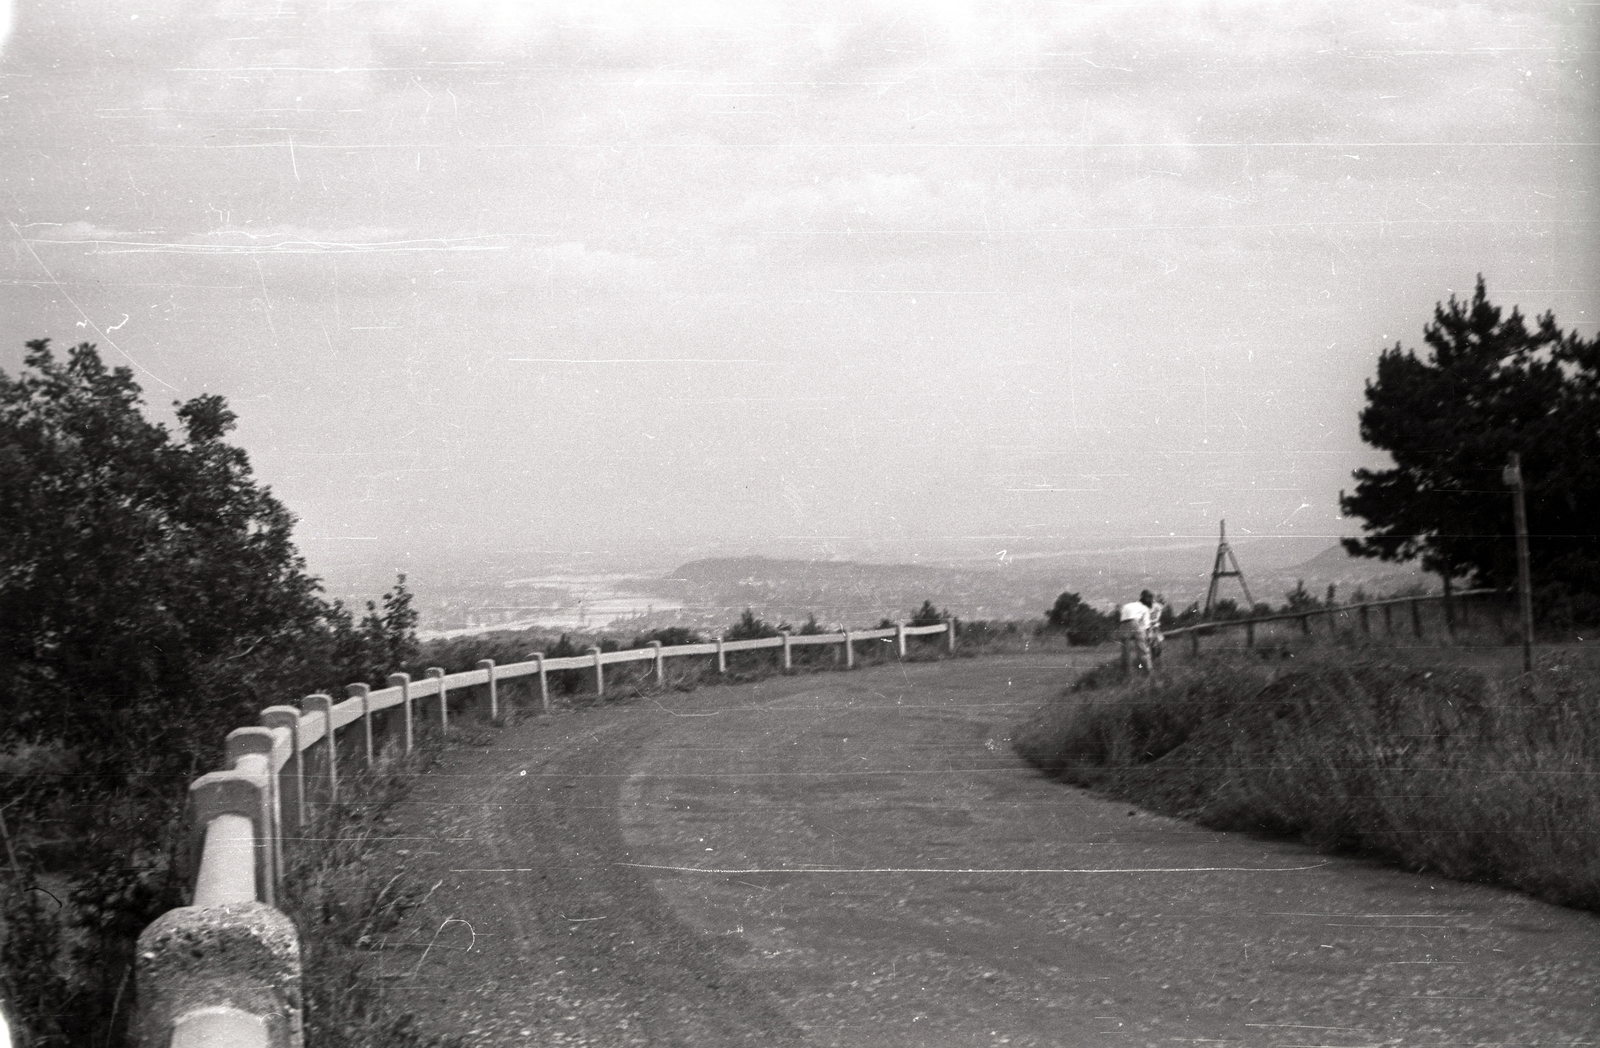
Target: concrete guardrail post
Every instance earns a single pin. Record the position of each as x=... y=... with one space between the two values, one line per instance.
x=241 y=791
x=1305 y=624
x=1250 y=634
x=487 y=666
x=1194 y=641
x=599 y=672
x=259 y=741
x=403 y=682
x=223 y=975
x=900 y=640
x=292 y=814
x=1388 y=619
x=788 y=653
x=364 y=693
x=1416 y=616
x=661 y=663
x=1366 y=626
x=849 y=652
x=950 y=636
x=437 y=673
x=323 y=705
x=722 y=657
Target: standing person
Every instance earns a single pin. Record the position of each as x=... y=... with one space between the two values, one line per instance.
x=1157 y=638
x=1133 y=627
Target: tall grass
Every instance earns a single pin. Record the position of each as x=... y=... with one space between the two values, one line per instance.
x=344 y=904
x=1434 y=768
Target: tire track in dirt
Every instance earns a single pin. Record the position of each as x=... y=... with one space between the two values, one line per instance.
x=858 y=859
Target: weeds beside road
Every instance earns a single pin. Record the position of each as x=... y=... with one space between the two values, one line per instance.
x=1433 y=767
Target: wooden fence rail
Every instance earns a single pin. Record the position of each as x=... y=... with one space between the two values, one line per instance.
x=224 y=971
x=1453 y=605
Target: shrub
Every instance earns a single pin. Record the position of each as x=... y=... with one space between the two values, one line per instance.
x=1074 y=617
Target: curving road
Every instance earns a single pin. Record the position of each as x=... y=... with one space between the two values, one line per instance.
x=859 y=860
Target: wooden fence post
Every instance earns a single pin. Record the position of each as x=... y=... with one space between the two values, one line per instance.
x=437 y=673
x=1416 y=616
x=661 y=663
x=544 y=681
x=849 y=652
x=950 y=636
x=1305 y=624
x=487 y=665
x=1366 y=627
x=599 y=673
x=722 y=658
x=788 y=661
x=403 y=682
x=1194 y=641
x=1250 y=634
x=1388 y=620
x=900 y=639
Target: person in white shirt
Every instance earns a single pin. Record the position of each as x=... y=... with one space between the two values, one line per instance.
x=1133 y=628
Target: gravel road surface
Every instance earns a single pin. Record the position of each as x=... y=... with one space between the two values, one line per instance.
x=858 y=859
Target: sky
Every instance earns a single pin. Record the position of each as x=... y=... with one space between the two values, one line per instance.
x=646 y=279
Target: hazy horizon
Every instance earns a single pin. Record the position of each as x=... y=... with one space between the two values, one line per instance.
x=624 y=282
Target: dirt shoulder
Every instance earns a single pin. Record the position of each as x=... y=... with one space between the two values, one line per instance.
x=859 y=859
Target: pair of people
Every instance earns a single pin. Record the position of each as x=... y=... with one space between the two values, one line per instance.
x=1140 y=625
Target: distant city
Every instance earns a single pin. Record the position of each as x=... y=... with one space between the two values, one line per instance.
x=499 y=592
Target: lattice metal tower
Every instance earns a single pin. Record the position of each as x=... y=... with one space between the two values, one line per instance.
x=1220 y=571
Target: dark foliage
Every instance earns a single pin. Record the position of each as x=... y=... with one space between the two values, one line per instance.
x=928 y=615
x=1080 y=622
x=1488 y=385
x=151 y=598
x=668 y=637
x=749 y=628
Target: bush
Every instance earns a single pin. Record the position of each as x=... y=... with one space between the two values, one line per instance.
x=1072 y=616
x=749 y=628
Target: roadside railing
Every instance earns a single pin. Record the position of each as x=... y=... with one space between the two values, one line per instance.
x=224 y=971
x=1456 y=613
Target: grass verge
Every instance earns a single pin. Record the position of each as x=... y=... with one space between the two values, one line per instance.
x=344 y=905
x=1434 y=768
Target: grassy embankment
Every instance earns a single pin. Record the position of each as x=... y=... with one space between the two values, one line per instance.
x=346 y=906
x=1474 y=775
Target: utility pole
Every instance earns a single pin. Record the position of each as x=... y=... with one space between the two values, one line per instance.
x=1512 y=475
x=1220 y=571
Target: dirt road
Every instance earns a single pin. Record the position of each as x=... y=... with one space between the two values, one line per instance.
x=858 y=859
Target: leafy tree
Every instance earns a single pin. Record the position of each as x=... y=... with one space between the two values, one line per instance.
x=151 y=599
x=1487 y=385
x=928 y=615
x=138 y=573
x=1081 y=623
x=391 y=634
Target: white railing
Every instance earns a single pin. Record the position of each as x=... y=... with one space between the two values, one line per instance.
x=224 y=971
